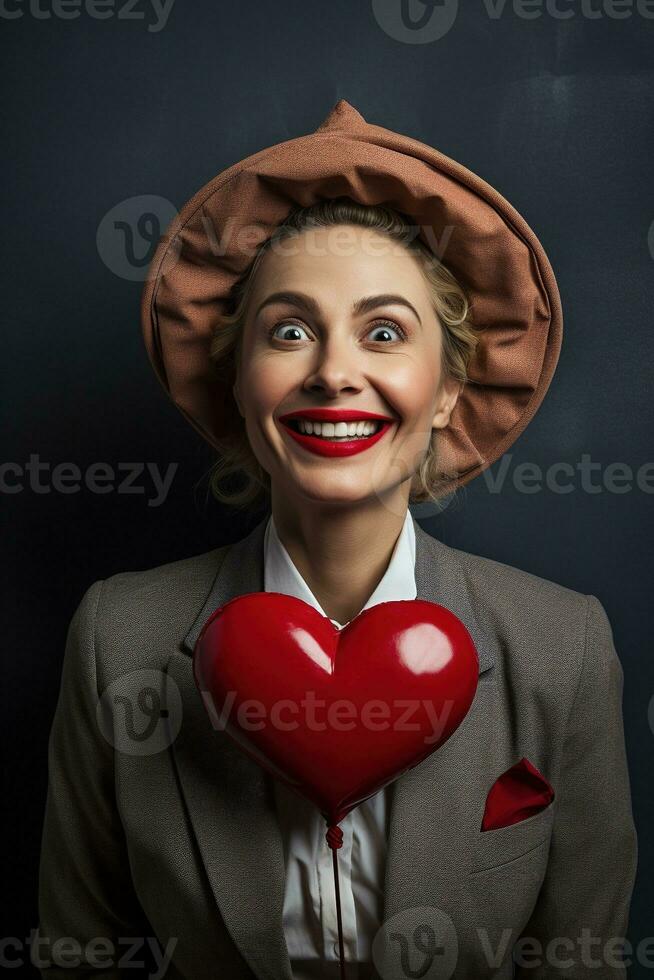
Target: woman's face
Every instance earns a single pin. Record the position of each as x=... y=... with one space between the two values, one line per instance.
x=354 y=329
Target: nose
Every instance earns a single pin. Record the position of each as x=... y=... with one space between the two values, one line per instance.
x=337 y=366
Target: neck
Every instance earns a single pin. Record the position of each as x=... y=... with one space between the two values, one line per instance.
x=341 y=552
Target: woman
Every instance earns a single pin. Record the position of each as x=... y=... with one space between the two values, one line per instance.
x=167 y=829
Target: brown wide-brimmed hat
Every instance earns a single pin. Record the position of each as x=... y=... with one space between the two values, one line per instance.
x=491 y=250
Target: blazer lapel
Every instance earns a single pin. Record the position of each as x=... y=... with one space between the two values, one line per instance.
x=230 y=798
x=434 y=809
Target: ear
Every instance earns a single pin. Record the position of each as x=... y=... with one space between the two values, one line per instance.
x=447 y=398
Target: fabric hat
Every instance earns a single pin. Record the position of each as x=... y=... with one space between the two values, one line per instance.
x=491 y=250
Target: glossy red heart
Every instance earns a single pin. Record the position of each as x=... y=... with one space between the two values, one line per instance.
x=337 y=714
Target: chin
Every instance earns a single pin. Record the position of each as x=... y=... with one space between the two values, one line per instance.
x=336 y=493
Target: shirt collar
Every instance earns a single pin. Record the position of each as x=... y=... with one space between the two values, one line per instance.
x=398 y=582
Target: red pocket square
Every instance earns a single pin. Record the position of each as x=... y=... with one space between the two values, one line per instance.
x=518 y=793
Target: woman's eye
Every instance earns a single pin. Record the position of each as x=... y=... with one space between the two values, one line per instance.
x=293 y=331
x=287 y=326
x=389 y=328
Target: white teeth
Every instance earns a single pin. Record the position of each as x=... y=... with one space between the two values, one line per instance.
x=338 y=430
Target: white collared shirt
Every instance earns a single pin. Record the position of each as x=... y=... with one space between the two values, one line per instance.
x=310 y=925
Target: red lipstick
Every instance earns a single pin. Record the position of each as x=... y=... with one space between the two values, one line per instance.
x=322 y=446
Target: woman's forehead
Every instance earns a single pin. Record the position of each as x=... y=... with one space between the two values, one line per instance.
x=358 y=271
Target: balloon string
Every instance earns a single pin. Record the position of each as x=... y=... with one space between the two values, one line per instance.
x=335 y=841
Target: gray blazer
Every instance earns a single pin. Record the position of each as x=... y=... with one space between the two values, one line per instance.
x=175 y=836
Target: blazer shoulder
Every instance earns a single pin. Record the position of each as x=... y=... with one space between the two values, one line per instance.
x=515 y=606
x=142 y=616
x=182 y=576
x=542 y=628
x=519 y=589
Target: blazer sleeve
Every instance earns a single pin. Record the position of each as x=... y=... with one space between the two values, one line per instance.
x=85 y=888
x=583 y=906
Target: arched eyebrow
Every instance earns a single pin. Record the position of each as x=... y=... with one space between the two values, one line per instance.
x=364 y=305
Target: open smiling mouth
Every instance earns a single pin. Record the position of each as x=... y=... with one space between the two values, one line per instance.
x=330 y=439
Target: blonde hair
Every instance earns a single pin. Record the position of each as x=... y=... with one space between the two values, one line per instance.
x=459 y=340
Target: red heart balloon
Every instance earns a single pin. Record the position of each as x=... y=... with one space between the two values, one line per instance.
x=336 y=714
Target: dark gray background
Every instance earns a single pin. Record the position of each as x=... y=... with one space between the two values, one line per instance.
x=555 y=113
